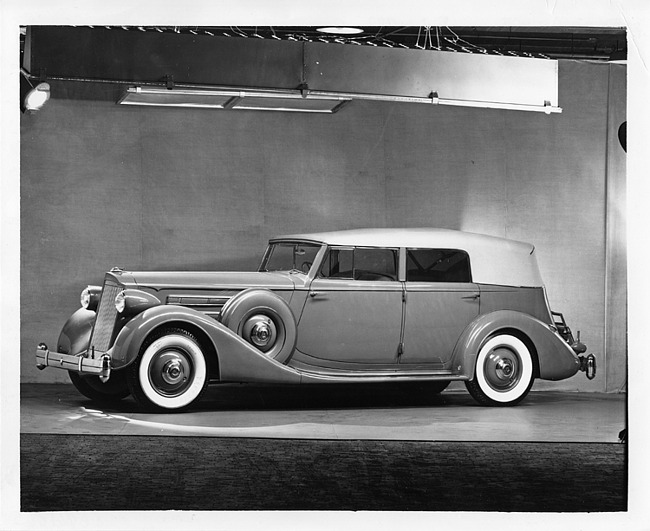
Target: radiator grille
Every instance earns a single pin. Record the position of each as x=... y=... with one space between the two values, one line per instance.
x=106 y=315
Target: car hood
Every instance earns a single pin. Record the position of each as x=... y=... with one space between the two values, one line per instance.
x=158 y=280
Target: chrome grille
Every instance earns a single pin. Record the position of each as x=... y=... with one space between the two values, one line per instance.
x=106 y=315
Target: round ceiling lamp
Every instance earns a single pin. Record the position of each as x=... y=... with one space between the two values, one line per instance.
x=340 y=30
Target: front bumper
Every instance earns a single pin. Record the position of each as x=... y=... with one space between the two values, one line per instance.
x=100 y=366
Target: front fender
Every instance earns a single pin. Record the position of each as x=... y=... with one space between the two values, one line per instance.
x=75 y=334
x=238 y=360
x=556 y=359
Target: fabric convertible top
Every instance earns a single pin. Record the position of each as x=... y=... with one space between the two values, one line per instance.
x=493 y=260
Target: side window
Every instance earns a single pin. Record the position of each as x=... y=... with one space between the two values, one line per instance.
x=437 y=265
x=360 y=264
x=337 y=264
x=375 y=264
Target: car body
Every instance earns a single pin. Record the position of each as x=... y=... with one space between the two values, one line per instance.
x=364 y=305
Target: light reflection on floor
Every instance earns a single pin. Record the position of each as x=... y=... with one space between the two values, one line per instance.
x=344 y=412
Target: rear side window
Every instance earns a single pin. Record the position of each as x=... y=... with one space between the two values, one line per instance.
x=360 y=264
x=437 y=265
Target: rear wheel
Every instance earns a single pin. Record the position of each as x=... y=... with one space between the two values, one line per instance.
x=504 y=372
x=113 y=390
x=170 y=373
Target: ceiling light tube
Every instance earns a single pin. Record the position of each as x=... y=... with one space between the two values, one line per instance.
x=436 y=100
x=547 y=109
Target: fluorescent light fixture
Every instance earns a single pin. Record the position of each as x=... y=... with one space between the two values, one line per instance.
x=37 y=97
x=162 y=97
x=234 y=98
x=340 y=30
x=293 y=104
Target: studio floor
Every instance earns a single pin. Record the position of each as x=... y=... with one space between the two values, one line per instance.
x=331 y=448
x=396 y=412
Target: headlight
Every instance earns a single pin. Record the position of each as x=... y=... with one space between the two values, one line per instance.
x=130 y=302
x=85 y=298
x=89 y=297
x=120 y=302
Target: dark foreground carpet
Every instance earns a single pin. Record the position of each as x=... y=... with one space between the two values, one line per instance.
x=80 y=473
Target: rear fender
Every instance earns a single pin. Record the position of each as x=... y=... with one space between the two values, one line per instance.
x=238 y=361
x=555 y=358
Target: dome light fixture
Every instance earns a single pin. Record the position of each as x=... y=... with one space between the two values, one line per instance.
x=340 y=30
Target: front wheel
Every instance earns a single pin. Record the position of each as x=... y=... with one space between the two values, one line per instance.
x=170 y=373
x=504 y=372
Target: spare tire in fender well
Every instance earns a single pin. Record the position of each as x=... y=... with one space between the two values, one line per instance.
x=265 y=320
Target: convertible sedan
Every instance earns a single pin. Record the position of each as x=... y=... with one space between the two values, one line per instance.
x=367 y=305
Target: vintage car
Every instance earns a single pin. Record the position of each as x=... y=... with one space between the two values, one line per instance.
x=366 y=305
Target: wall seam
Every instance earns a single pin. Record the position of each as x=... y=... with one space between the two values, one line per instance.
x=506 y=175
x=142 y=197
x=607 y=225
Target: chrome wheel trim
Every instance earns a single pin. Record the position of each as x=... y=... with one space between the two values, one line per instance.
x=504 y=368
x=260 y=331
x=172 y=371
x=263 y=320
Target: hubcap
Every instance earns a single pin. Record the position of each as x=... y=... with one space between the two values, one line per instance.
x=170 y=372
x=502 y=369
x=260 y=334
x=260 y=331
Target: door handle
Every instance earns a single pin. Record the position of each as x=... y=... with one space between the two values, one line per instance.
x=473 y=297
x=314 y=293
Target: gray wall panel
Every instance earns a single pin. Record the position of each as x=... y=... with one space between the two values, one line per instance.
x=616 y=264
x=557 y=199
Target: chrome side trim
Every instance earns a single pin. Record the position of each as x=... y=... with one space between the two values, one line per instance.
x=198 y=300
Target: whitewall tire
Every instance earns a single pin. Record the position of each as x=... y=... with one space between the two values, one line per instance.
x=504 y=371
x=170 y=373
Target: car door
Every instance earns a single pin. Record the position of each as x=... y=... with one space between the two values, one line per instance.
x=441 y=301
x=353 y=314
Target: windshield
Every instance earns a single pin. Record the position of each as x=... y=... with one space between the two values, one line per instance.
x=288 y=256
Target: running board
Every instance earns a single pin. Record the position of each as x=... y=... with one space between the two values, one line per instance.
x=385 y=376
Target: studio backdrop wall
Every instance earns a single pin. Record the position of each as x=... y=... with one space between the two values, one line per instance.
x=151 y=188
